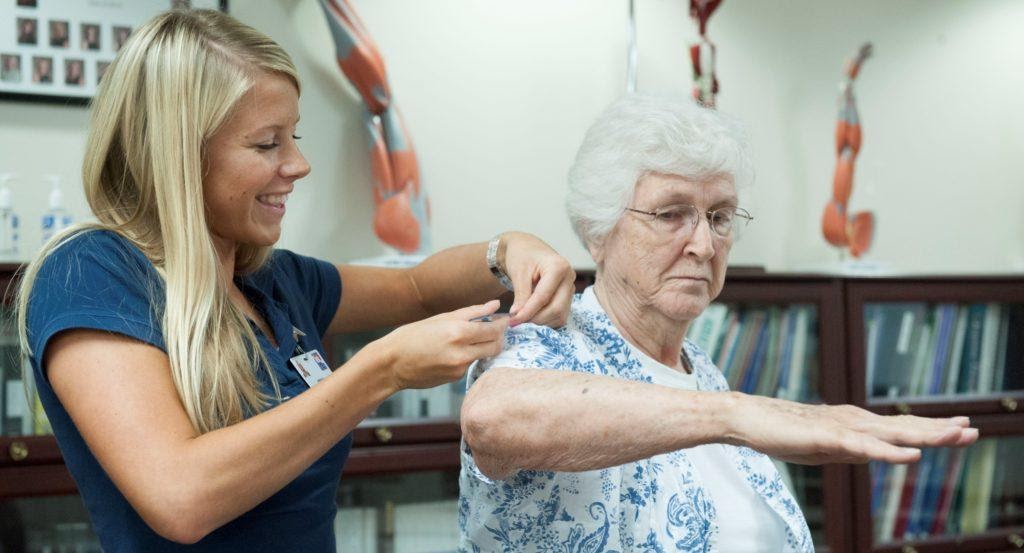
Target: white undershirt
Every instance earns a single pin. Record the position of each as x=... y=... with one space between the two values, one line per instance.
x=745 y=521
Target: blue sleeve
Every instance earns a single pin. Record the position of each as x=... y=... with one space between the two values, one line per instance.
x=318 y=282
x=98 y=281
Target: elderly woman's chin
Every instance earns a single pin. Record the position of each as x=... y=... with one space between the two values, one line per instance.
x=682 y=305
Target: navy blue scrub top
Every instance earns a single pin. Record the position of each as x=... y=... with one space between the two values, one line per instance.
x=101 y=281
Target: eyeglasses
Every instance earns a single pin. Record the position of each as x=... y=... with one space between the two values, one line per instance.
x=725 y=222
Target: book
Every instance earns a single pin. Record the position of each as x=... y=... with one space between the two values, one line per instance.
x=763 y=381
x=917 y=502
x=756 y=355
x=786 y=356
x=906 y=502
x=742 y=359
x=978 y=488
x=946 y=320
x=989 y=341
x=798 y=358
x=950 y=484
x=956 y=353
x=886 y=525
x=970 y=364
x=1001 y=349
x=728 y=349
x=807 y=385
x=1013 y=373
x=879 y=472
x=922 y=354
x=922 y=524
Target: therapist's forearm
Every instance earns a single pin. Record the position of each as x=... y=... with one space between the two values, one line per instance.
x=547 y=420
x=454 y=278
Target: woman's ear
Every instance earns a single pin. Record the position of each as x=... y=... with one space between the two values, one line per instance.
x=596 y=249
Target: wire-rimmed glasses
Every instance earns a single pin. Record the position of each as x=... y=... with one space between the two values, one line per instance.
x=725 y=222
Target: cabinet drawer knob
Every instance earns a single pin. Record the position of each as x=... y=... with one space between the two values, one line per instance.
x=383 y=434
x=908 y=549
x=18 y=450
x=1010 y=405
x=1015 y=540
x=903 y=409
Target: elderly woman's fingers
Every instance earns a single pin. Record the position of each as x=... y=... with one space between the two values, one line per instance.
x=864 y=447
x=920 y=431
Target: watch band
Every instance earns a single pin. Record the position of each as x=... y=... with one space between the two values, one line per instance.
x=494 y=266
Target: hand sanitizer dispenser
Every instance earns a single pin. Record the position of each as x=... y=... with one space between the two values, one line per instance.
x=8 y=221
x=56 y=218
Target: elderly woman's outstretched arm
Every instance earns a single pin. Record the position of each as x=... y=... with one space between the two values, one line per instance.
x=536 y=419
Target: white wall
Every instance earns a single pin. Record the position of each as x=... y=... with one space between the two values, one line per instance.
x=497 y=96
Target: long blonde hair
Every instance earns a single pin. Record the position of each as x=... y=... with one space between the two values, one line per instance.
x=174 y=83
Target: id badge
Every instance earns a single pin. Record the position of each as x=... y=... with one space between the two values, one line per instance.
x=311 y=367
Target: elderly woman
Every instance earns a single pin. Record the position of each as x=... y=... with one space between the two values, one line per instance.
x=613 y=433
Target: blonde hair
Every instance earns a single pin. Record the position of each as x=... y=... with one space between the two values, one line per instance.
x=173 y=85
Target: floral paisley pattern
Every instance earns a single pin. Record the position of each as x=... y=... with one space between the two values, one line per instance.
x=653 y=505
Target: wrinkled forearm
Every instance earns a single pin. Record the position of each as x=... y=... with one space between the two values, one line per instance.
x=533 y=419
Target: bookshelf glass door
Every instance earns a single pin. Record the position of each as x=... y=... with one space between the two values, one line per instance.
x=950 y=492
x=943 y=349
x=401 y=513
x=770 y=350
x=438 y=402
x=46 y=525
x=21 y=414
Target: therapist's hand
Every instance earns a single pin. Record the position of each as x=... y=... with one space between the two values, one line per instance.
x=440 y=349
x=816 y=434
x=542 y=280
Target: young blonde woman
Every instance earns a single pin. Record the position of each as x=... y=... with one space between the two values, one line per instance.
x=170 y=342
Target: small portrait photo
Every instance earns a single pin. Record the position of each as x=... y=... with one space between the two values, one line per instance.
x=10 y=68
x=59 y=36
x=121 y=35
x=42 y=70
x=101 y=69
x=27 y=30
x=74 y=72
x=26 y=3
x=90 y=36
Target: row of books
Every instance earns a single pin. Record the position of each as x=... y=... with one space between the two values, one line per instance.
x=917 y=349
x=950 y=491
x=771 y=351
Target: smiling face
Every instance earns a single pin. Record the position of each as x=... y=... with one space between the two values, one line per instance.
x=677 y=274
x=251 y=165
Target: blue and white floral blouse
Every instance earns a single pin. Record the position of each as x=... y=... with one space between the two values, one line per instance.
x=652 y=505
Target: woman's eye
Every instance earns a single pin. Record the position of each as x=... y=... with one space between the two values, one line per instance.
x=270 y=146
x=671 y=215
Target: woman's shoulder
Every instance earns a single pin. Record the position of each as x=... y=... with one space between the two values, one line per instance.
x=96 y=257
x=95 y=245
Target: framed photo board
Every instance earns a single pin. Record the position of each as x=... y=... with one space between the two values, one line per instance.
x=57 y=50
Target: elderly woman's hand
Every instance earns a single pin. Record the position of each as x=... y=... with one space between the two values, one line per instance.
x=543 y=281
x=816 y=434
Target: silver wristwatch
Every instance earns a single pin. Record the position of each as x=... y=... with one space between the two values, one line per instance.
x=494 y=265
